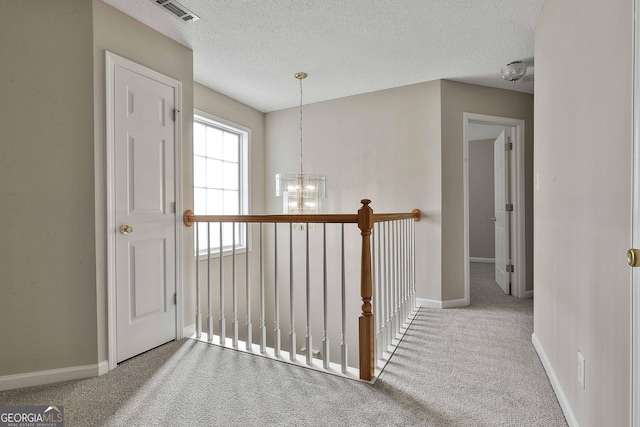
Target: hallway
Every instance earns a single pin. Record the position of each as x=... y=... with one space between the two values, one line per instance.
x=484 y=289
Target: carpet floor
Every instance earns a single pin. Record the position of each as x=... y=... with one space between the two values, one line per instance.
x=472 y=366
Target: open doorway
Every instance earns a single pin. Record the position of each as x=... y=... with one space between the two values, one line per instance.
x=494 y=246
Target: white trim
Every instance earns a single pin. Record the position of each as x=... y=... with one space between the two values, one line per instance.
x=245 y=178
x=555 y=383
x=484 y=260
x=103 y=367
x=189 y=330
x=454 y=303
x=178 y=183
x=528 y=294
x=517 y=197
x=111 y=61
x=635 y=222
x=432 y=303
x=111 y=244
x=30 y=379
x=428 y=303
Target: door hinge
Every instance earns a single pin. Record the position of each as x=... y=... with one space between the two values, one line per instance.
x=175 y=299
x=508 y=146
x=509 y=268
x=509 y=207
x=175 y=112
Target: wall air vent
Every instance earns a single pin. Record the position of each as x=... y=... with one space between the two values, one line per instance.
x=177 y=9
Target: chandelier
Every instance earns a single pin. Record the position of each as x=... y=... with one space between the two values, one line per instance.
x=301 y=192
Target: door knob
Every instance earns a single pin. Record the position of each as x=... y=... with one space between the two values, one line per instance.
x=126 y=229
x=492 y=219
x=633 y=257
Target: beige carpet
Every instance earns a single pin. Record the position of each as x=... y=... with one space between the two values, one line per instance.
x=473 y=366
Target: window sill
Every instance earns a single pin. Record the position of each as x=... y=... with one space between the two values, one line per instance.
x=225 y=253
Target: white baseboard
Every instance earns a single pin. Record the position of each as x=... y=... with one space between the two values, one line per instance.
x=555 y=383
x=189 y=330
x=428 y=303
x=432 y=303
x=453 y=303
x=29 y=379
x=528 y=294
x=487 y=260
x=103 y=367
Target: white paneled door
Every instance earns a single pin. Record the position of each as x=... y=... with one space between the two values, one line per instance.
x=501 y=214
x=144 y=141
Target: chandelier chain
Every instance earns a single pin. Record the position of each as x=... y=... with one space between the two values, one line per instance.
x=301 y=155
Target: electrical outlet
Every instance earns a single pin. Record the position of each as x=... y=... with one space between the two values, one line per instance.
x=580 y=369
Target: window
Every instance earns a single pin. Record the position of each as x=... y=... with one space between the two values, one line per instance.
x=219 y=178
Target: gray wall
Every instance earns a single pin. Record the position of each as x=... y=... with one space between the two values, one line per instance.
x=458 y=98
x=383 y=145
x=481 y=199
x=47 y=254
x=582 y=207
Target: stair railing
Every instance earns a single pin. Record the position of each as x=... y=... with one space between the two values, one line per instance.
x=387 y=284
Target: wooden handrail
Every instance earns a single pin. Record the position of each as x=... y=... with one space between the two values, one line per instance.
x=414 y=214
x=190 y=218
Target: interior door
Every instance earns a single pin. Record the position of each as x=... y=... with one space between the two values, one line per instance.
x=500 y=180
x=145 y=243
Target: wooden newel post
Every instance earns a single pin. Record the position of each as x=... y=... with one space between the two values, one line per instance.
x=365 y=322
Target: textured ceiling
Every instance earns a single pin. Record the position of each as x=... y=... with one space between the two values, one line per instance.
x=250 y=49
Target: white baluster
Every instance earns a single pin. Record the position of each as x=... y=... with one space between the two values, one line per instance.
x=393 y=282
x=378 y=294
x=209 y=310
x=325 y=298
x=223 y=330
x=396 y=280
x=263 y=328
x=292 y=320
x=248 y=292
x=403 y=270
x=387 y=297
x=278 y=340
x=413 y=261
x=198 y=314
x=308 y=300
x=343 y=341
x=234 y=289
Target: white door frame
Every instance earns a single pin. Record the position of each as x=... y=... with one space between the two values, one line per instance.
x=501 y=216
x=635 y=224
x=112 y=61
x=517 y=197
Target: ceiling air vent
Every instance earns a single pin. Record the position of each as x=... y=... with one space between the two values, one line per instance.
x=178 y=10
